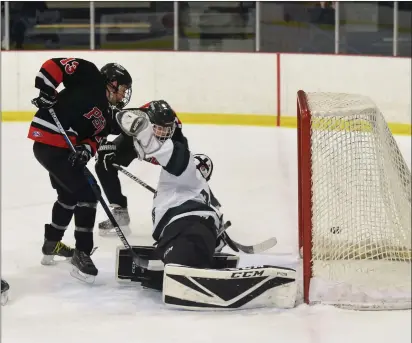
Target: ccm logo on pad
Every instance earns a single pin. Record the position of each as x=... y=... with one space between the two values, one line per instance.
x=249 y=273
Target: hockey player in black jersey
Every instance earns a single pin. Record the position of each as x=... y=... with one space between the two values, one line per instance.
x=84 y=108
x=122 y=152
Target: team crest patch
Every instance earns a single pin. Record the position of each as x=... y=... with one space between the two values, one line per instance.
x=36 y=134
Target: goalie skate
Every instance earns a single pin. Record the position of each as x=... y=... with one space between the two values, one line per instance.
x=52 y=249
x=83 y=267
x=4 y=292
x=121 y=215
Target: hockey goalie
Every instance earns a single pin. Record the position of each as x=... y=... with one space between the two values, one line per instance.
x=186 y=264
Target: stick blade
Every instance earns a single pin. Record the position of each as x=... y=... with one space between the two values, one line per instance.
x=257 y=248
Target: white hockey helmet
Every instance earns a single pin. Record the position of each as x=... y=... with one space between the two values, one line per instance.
x=204 y=164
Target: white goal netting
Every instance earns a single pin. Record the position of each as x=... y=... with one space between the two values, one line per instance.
x=361 y=206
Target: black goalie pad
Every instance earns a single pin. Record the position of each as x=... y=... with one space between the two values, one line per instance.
x=152 y=277
x=127 y=271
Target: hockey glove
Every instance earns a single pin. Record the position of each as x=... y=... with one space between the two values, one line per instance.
x=80 y=157
x=136 y=123
x=106 y=154
x=220 y=243
x=44 y=100
x=224 y=238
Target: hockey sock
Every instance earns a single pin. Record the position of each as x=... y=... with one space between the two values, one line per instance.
x=84 y=218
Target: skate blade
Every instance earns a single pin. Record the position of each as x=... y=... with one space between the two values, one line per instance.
x=51 y=260
x=4 y=298
x=87 y=278
x=112 y=232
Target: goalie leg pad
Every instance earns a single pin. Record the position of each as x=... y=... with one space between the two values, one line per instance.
x=236 y=288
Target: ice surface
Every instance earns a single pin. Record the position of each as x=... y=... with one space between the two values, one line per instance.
x=255 y=180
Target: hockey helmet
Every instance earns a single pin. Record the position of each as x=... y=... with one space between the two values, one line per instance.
x=119 y=78
x=163 y=119
x=204 y=164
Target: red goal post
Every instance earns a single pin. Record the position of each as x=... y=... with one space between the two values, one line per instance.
x=304 y=188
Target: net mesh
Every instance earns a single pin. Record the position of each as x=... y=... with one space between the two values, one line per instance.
x=361 y=206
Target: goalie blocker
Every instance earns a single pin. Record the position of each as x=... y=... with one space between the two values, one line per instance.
x=225 y=287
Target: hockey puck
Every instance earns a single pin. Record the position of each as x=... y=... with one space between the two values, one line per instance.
x=335 y=229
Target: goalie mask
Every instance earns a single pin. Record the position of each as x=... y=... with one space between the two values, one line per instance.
x=204 y=164
x=162 y=117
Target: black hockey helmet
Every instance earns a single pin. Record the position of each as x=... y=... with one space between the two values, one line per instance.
x=163 y=118
x=113 y=72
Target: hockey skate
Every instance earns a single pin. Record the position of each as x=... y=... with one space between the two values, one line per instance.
x=52 y=249
x=4 y=292
x=121 y=215
x=83 y=267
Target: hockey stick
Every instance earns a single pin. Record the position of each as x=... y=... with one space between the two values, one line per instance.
x=96 y=190
x=247 y=249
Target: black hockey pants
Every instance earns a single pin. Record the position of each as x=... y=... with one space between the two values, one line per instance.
x=74 y=197
x=189 y=241
x=109 y=179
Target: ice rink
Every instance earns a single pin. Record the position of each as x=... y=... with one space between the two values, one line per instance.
x=255 y=179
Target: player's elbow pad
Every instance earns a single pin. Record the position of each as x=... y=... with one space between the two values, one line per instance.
x=179 y=160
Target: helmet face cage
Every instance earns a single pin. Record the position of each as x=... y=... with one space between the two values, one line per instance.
x=163 y=133
x=126 y=96
x=162 y=118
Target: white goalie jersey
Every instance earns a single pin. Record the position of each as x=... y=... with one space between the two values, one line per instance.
x=182 y=191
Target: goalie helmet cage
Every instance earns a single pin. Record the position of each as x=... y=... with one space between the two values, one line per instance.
x=354 y=205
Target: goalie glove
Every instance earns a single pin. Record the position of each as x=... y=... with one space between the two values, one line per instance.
x=136 y=123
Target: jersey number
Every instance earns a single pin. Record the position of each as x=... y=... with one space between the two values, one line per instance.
x=70 y=65
x=206 y=197
x=153 y=215
x=98 y=122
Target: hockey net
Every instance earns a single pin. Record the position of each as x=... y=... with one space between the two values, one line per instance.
x=354 y=205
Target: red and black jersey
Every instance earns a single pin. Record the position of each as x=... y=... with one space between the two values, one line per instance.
x=82 y=106
x=71 y=72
